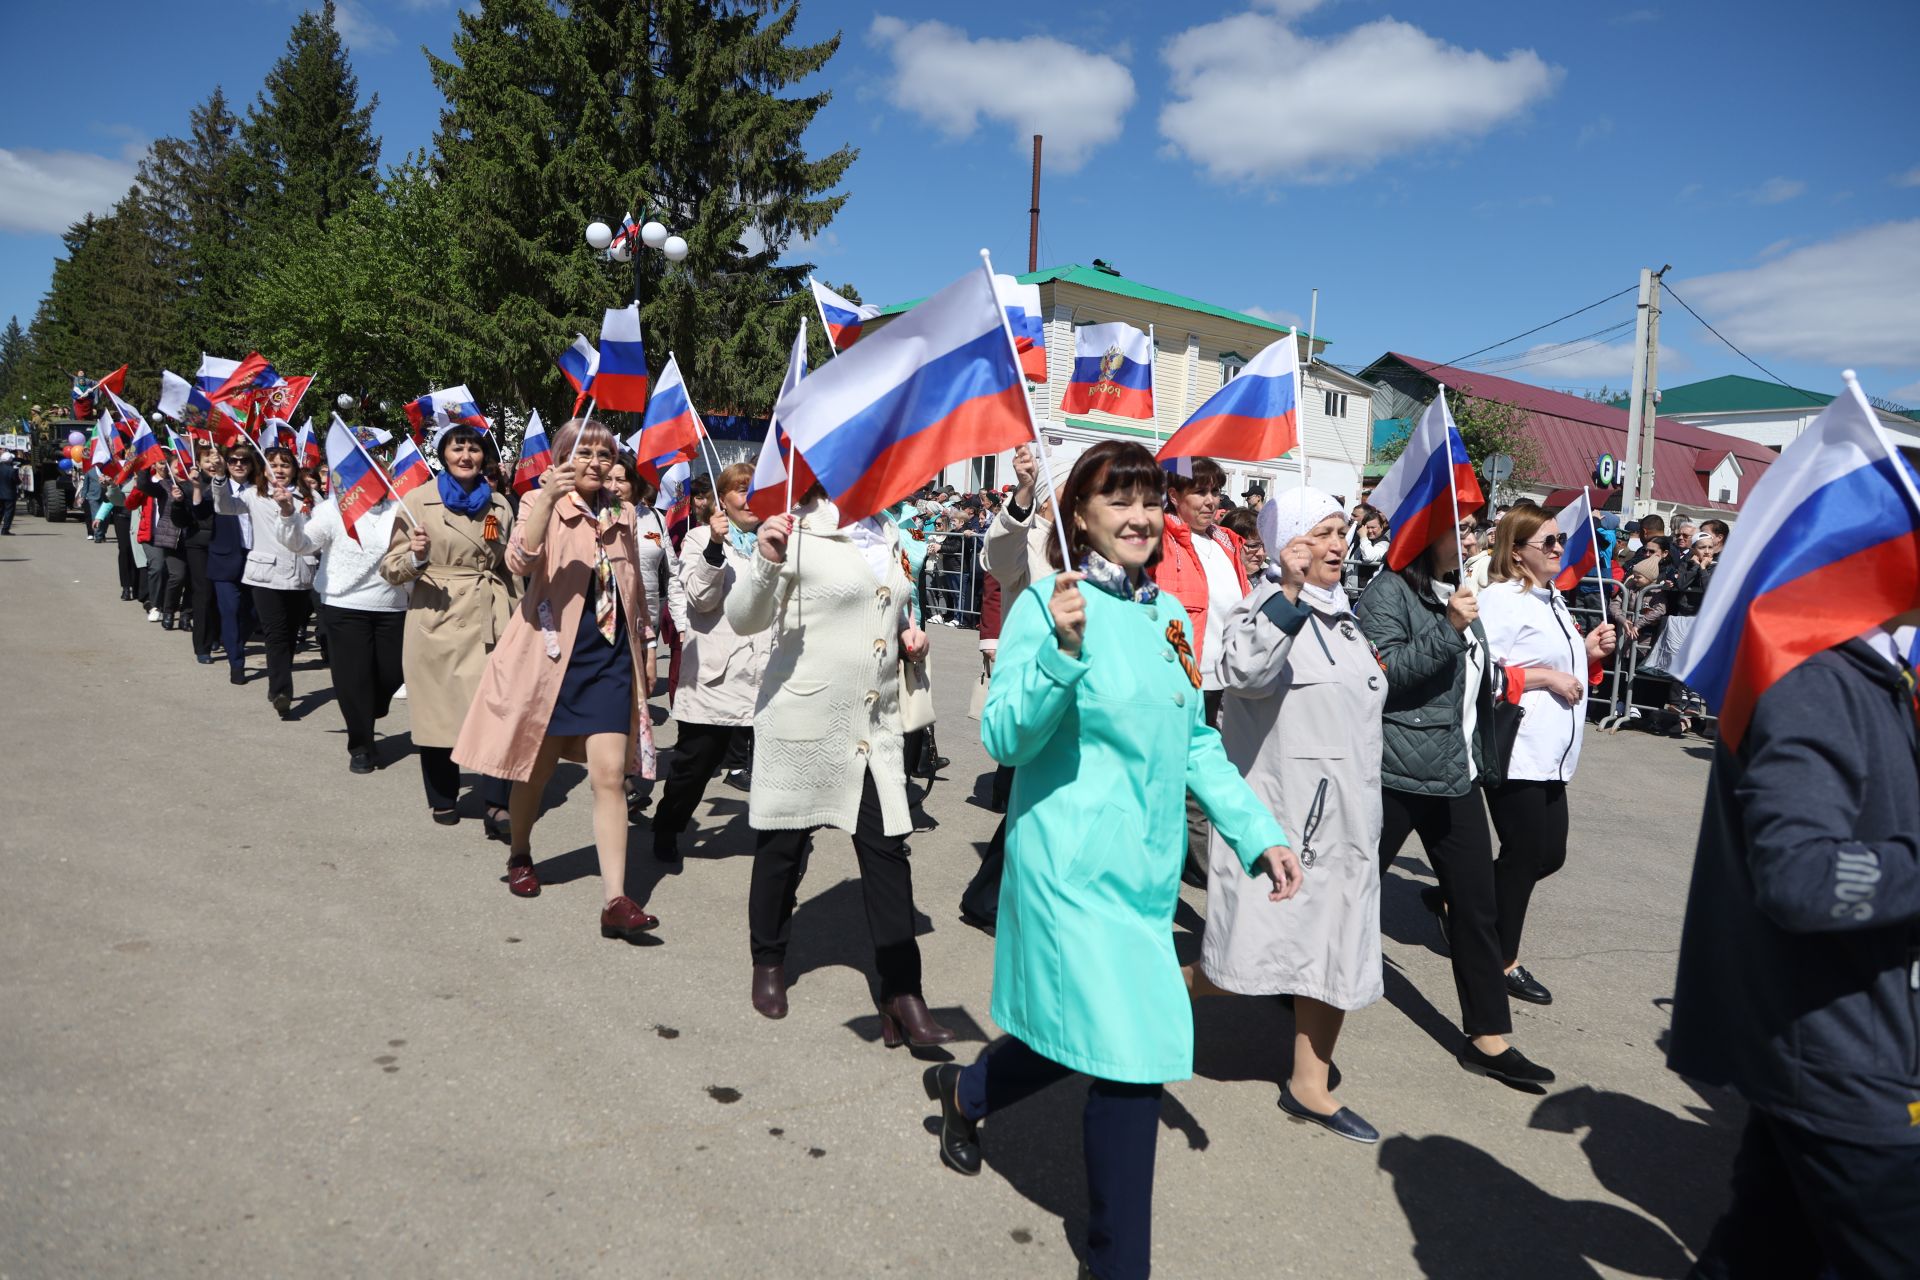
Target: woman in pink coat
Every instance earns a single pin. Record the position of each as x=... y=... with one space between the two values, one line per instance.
x=568 y=678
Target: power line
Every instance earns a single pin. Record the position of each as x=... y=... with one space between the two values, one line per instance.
x=1536 y=329
x=1559 y=355
x=1737 y=351
x=1538 y=355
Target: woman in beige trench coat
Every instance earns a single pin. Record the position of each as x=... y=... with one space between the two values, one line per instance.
x=454 y=553
x=569 y=678
x=1301 y=720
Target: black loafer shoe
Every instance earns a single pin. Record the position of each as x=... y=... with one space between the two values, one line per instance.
x=500 y=829
x=360 y=762
x=204 y=659
x=959 y=1136
x=236 y=677
x=1512 y=1067
x=1522 y=985
x=1343 y=1122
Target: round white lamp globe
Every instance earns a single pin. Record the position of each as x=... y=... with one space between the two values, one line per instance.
x=343 y=402
x=675 y=248
x=599 y=235
x=622 y=252
x=653 y=235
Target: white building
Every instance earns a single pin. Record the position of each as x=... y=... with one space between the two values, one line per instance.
x=1764 y=412
x=1197 y=347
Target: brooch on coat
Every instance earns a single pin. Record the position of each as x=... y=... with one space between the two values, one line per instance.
x=906 y=566
x=1177 y=637
x=490 y=530
x=653 y=536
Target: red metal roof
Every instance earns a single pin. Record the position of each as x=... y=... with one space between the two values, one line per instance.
x=1571 y=433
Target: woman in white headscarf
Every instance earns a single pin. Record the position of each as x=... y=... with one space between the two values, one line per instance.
x=1301 y=719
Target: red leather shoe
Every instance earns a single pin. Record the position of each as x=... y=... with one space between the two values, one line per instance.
x=905 y=1020
x=520 y=878
x=623 y=918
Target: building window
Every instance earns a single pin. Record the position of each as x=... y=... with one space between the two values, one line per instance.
x=1230 y=367
x=1336 y=404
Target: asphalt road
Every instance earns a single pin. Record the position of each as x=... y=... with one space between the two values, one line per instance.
x=261 y=1017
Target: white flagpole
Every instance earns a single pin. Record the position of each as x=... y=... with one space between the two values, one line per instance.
x=1033 y=424
x=1598 y=576
x=1300 y=388
x=699 y=426
x=826 y=331
x=1453 y=491
x=584 y=424
x=1153 y=385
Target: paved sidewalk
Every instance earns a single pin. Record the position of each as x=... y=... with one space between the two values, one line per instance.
x=261 y=1017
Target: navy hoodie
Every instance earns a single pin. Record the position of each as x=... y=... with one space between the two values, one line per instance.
x=1799 y=982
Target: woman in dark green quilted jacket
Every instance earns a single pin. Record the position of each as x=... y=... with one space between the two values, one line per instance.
x=1437 y=748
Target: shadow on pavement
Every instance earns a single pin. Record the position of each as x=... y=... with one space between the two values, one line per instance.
x=1473 y=1218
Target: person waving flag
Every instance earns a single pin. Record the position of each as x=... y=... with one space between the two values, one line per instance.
x=1827 y=548
x=455 y=404
x=1112 y=372
x=842 y=319
x=1254 y=417
x=410 y=469
x=1428 y=486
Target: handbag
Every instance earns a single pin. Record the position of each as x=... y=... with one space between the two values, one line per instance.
x=916 y=696
x=977 y=704
x=1506 y=731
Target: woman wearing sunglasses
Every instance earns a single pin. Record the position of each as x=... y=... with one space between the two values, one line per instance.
x=1530 y=631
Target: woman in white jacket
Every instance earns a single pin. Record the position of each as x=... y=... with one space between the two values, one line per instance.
x=278 y=575
x=827 y=741
x=720 y=669
x=365 y=616
x=1531 y=632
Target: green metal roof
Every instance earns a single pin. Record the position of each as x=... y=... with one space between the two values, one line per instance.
x=1112 y=282
x=1733 y=393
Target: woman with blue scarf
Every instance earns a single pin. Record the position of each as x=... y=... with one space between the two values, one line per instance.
x=1096 y=702
x=454 y=553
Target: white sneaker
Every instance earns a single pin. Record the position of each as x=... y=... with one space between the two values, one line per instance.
x=401 y=692
x=153 y=615
x=937 y=620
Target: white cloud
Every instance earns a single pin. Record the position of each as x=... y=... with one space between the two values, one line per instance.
x=1634 y=17
x=1276 y=315
x=360 y=30
x=1776 y=248
x=1911 y=178
x=46 y=191
x=1848 y=300
x=1777 y=191
x=1077 y=99
x=1595 y=130
x=1257 y=101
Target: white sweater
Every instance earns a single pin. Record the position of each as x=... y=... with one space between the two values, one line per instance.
x=349 y=574
x=1533 y=629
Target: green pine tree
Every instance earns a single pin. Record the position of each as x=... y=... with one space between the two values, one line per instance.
x=108 y=305
x=201 y=183
x=309 y=140
x=673 y=109
x=14 y=353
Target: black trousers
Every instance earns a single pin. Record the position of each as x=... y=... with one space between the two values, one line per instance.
x=442 y=778
x=364 y=645
x=1119 y=1133
x=1807 y=1206
x=235 y=603
x=6 y=514
x=1454 y=831
x=123 y=535
x=166 y=578
x=697 y=756
x=981 y=899
x=282 y=615
x=206 y=616
x=739 y=749
x=1531 y=820
x=886 y=881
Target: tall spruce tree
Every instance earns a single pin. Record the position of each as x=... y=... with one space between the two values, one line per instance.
x=14 y=352
x=107 y=306
x=673 y=109
x=310 y=141
x=200 y=184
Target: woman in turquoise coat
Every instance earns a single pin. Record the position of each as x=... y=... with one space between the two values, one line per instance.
x=1099 y=707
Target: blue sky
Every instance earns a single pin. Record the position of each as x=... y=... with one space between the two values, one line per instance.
x=1446 y=175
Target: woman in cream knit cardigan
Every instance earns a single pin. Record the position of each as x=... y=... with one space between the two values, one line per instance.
x=827 y=741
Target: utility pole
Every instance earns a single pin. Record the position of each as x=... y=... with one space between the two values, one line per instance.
x=1636 y=478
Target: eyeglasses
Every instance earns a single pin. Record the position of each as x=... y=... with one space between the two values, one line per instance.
x=1552 y=542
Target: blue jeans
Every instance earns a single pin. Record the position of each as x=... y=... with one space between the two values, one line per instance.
x=1119 y=1130
x=235 y=602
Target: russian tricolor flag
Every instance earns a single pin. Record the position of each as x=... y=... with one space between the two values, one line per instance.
x=246 y=378
x=455 y=404
x=625 y=237
x=578 y=363
x=671 y=427
x=620 y=381
x=275 y=433
x=1254 y=417
x=144 y=453
x=1429 y=483
x=1827 y=548
x=1112 y=372
x=183 y=453
x=1022 y=302
x=306 y=446
x=769 y=489
x=358 y=483
x=536 y=455
x=1581 y=555
x=938 y=384
x=410 y=469
x=843 y=319
x=181 y=400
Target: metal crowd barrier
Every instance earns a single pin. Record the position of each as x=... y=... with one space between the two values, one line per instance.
x=951 y=578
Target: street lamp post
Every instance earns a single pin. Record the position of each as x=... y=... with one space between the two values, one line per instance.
x=653 y=235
